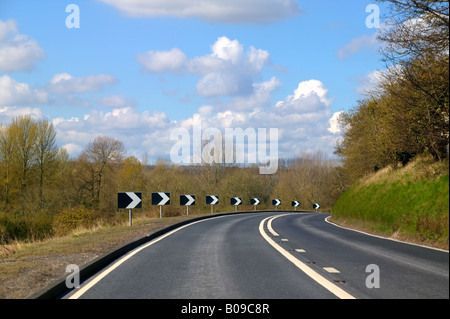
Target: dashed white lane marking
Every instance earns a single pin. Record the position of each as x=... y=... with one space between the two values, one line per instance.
x=331 y=270
x=284 y=239
x=300 y=250
x=337 y=291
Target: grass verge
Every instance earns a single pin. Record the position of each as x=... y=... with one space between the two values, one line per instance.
x=411 y=203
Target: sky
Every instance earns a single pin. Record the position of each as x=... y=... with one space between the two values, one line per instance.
x=137 y=70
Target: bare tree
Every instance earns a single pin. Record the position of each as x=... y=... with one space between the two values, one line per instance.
x=46 y=153
x=24 y=134
x=102 y=154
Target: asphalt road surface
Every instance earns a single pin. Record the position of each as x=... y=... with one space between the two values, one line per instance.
x=272 y=255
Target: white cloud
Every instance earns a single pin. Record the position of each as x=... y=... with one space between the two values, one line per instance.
x=219 y=11
x=312 y=127
x=7 y=113
x=371 y=82
x=162 y=61
x=310 y=96
x=116 y=101
x=335 y=128
x=139 y=131
x=226 y=71
x=356 y=45
x=18 y=93
x=64 y=83
x=304 y=119
x=73 y=148
x=17 y=51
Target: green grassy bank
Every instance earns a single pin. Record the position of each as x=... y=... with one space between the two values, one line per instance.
x=410 y=203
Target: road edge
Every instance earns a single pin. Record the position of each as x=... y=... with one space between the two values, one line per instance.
x=58 y=288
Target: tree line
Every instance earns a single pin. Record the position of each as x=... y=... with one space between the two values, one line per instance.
x=407 y=113
x=44 y=192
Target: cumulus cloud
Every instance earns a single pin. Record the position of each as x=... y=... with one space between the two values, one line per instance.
x=226 y=71
x=335 y=127
x=64 y=83
x=7 y=113
x=218 y=11
x=310 y=96
x=17 y=93
x=311 y=127
x=139 y=131
x=116 y=101
x=17 y=51
x=304 y=119
x=162 y=61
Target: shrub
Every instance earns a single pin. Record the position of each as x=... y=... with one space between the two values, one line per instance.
x=73 y=218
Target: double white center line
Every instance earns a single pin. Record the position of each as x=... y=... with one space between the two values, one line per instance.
x=337 y=291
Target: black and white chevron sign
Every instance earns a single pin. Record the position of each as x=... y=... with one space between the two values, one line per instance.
x=255 y=201
x=187 y=200
x=295 y=203
x=212 y=199
x=160 y=198
x=316 y=206
x=236 y=201
x=129 y=200
x=276 y=202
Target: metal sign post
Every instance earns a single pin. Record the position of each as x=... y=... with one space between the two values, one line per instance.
x=212 y=200
x=129 y=215
x=236 y=201
x=276 y=203
x=187 y=200
x=160 y=198
x=129 y=200
x=254 y=202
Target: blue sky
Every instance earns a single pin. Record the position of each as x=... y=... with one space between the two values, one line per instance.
x=135 y=70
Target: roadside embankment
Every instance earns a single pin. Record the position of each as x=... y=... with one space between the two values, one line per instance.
x=409 y=203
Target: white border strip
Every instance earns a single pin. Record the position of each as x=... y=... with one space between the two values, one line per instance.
x=382 y=237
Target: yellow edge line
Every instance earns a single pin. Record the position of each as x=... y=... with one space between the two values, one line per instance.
x=337 y=291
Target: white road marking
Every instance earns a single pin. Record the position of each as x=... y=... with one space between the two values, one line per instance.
x=387 y=238
x=108 y=270
x=331 y=270
x=337 y=291
x=300 y=250
x=284 y=239
x=269 y=227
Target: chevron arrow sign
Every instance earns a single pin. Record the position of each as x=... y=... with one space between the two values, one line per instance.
x=276 y=202
x=160 y=198
x=129 y=200
x=212 y=199
x=295 y=203
x=236 y=200
x=187 y=200
x=255 y=201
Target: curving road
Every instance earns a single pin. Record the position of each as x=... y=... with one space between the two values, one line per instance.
x=272 y=255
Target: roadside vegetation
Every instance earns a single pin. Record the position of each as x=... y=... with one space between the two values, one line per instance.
x=395 y=144
x=409 y=203
x=46 y=194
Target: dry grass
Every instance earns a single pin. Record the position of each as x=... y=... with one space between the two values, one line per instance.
x=423 y=167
